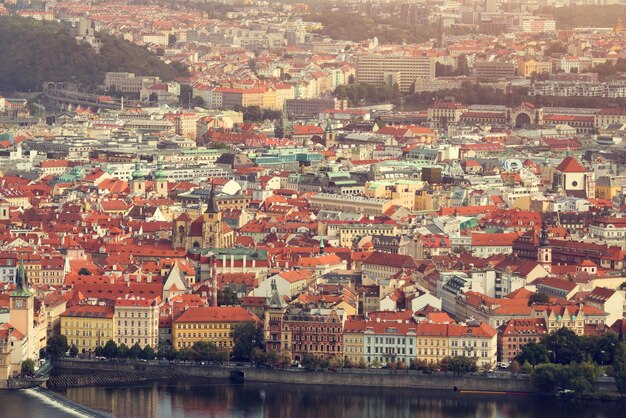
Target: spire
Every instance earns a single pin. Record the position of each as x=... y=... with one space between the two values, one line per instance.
x=21 y=285
x=212 y=203
x=322 y=244
x=276 y=301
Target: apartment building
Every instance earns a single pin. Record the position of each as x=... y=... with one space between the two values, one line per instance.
x=403 y=70
x=88 y=326
x=137 y=321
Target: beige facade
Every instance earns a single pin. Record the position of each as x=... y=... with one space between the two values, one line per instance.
x=404 y=70
x=137 y=321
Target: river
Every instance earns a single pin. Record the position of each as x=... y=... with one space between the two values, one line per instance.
x=195 y=397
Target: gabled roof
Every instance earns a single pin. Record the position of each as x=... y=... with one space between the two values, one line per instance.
x=570 y=165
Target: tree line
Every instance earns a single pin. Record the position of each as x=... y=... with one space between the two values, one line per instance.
x=566 y=361
x=32 y=52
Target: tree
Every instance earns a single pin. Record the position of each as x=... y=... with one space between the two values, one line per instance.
x=514 y=367
x=546 y=377
x=99 y=351
x=540 y=298
x=577 y=377
x=147 y=353
x=335 y=362
x=258 y=357
x=73 y=351
x=565 y=347
x=227 y=297
x=184 y=354
x=57 y=346
x=203 y=351
x=246 y=337
x=197 y=101
x=271 y=357
x=123 y=351
x=84 y=271
x=283 y=360
x=110 y=349
x=135 y=351
x=153 y=98
x=533 y=354
x=460 y=365
x=444 y=364
x=309 y=361
x=28 y=367
x=619 y=368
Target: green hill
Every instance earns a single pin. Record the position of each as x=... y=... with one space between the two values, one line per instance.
x=32 y=52
x=588 y=16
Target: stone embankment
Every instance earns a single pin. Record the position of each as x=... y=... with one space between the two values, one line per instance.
x=79 y=378
x=72 y=373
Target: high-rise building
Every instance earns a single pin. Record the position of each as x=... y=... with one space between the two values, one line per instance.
x=403 y=70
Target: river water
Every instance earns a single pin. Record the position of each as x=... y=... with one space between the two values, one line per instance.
x=190 y=398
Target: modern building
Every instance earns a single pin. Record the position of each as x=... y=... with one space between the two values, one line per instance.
x=403 y=70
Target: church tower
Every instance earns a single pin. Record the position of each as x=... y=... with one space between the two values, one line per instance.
x=544 y=252
x=329 y=136
x=22 y=308
x=160 y=180
x=138 y=181
x=212 y=225
x=275 y=333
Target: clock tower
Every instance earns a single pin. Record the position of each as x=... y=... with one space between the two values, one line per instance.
x=22 y=309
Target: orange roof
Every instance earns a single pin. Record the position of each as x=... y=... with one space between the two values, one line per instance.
x=570 y=165
x=217 y=314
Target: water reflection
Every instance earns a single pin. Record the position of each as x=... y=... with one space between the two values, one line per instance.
x=191 y=398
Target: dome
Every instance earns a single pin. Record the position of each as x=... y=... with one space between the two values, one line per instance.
x=137 y=174
x=159 y=174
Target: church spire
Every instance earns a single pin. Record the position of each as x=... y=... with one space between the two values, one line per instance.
x=21 y=285
x=212 y=203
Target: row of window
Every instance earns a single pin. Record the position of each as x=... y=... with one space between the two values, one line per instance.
x=203 y=335
x=203 y=326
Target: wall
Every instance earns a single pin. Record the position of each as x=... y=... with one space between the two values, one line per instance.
x=129 y=372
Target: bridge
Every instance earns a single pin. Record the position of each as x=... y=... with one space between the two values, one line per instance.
x=57 y=93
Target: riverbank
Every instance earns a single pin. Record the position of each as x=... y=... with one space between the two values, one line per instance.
x=69 y=373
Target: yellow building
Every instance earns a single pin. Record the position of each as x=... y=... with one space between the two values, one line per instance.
x=432 y=342
x=607 y=188
x=209 y=323
x=526 y=67
x=400 y=192
x=348 y=233
x=88 y=326
x=353 y=342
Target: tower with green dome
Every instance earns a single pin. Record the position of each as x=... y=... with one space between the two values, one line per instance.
x=160 y=180
x=138 y=180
